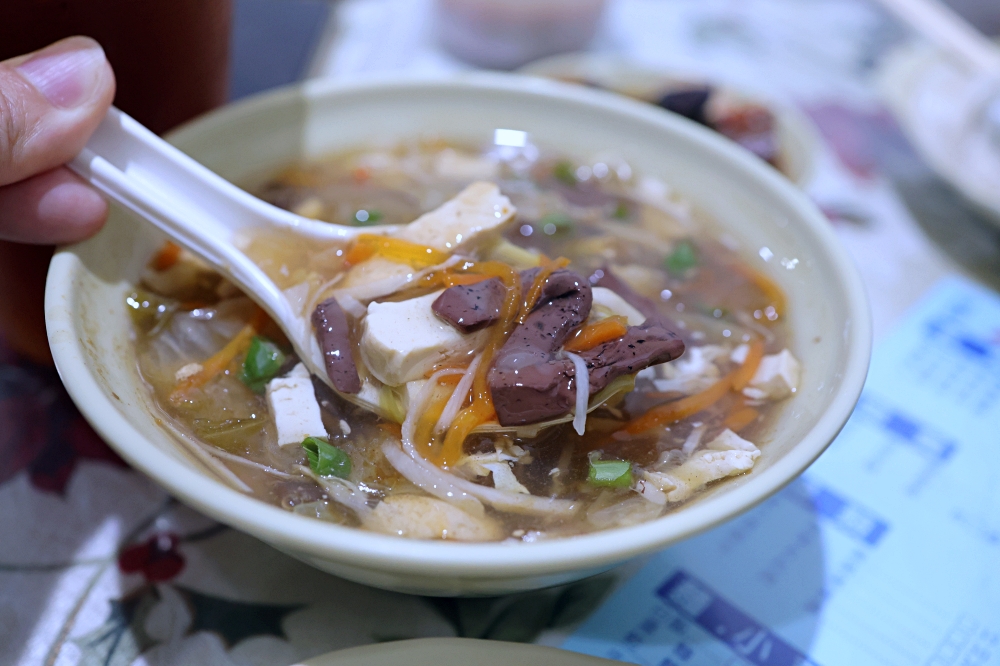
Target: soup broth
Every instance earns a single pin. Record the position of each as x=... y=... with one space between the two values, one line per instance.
x=545 y=347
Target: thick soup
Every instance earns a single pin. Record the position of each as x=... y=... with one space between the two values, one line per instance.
x=543 y=347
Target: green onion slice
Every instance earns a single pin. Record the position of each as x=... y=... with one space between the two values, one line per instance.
x=621 y=211
x=565 y=172
x=263 y=361
x=682 y=259
x=326 y=459
x=367 y=217
x=610 y=473
x=552 y=223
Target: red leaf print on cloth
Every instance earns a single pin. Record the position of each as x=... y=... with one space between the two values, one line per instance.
x=41 y=429
x=157 y=558
x=865 y=141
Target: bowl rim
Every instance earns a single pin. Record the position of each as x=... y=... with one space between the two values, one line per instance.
x=494 y=560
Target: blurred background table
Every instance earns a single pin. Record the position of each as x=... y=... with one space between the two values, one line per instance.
x=99 y=566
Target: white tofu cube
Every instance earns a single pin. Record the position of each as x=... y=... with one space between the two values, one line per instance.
x=476 y=213
x=293 y=405
x=777 y=377
x=413 y=389
x=377 y=271
x=613 y=304
x=739 y=354
x=401 y=341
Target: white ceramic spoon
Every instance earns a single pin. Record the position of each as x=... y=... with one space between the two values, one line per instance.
x=204 y=213
x=207 y=214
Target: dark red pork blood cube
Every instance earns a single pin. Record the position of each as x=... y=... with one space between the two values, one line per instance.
x=642 y=346
x=752 y=127
x=530 y=382
x=689 y=103
x=471 y=307
x=330 y=323
x=527 y=382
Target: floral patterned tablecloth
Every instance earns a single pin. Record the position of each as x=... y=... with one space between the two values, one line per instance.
x=98 y=565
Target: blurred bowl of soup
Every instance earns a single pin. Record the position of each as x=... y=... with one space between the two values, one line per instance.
x=755 y=212
x=776 y=132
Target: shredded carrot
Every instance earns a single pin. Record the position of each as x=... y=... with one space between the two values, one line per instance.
x=772 y=292
x=591 y=335
x=168 y=255
x=454 y=279
x=396 y=249
x=674 y=411
x=358 y=253
x=741 y=418
x=219 y=361
x=361 y=174
x=457 y=363
x=481 y=410
x=424 y=430
x=743 y=374
x=538 y=284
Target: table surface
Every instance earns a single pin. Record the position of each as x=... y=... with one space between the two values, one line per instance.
x=87 y=578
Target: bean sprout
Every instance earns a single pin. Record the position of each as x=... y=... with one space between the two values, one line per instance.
x=582 y=378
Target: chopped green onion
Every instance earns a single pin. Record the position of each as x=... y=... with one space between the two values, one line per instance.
x=610 y=473
x=565 y=172
x=553 y=223
x=622 y=211
x=263 y=361
x=682 y=259
x=326 y=459
x=366 y=218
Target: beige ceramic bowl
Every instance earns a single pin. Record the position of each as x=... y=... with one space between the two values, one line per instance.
x=454 y=652
x=91 y=340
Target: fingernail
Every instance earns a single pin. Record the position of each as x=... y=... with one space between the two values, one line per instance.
x=66 y=73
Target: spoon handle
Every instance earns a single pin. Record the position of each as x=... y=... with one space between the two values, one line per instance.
x=948 y=31
x=202 y=212
x=191 y=204
x=194 y=206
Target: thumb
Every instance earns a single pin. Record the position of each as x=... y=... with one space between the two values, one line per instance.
x=50 y=102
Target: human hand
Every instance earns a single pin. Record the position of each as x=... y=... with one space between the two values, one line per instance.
x=50 y=103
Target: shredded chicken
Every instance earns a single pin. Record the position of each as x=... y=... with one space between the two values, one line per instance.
x=727 y=455
x=420 y=517
x=498 y=463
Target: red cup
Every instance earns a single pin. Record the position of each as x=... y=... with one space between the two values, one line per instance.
x=171 y=62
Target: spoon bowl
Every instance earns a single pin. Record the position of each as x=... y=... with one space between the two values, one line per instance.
x=208 y=215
